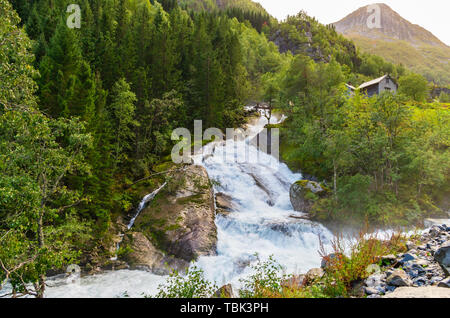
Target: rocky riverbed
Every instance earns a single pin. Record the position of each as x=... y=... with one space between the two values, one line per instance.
x=418 y=272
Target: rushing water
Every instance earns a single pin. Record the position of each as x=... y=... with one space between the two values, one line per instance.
x=262 y=225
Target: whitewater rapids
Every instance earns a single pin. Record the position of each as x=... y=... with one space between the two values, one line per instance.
x=262 y=226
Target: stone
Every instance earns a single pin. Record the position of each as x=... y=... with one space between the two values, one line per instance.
x=183 y=216
x=445 y=283
x=314 y=274
x=302 y=194
x=370 y=291
x=442 y=256
x=145 y=256
x=398 y=278
x=375 y=280
x=225 y=202
x=419 y=292
x=225 y=291
x=407 y=257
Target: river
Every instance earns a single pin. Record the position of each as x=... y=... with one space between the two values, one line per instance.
x=261 y=227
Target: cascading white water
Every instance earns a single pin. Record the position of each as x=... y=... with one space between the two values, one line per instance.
x=143 y=203
x=262 y=225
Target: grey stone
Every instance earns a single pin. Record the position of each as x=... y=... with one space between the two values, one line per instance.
x=442 y=256
x=399 y=278
x=445 y=283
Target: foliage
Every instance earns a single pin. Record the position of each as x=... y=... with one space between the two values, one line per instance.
x=414 y=86
x=193 y=285
x=266 y=279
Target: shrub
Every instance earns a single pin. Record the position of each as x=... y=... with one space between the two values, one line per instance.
x=193 y=285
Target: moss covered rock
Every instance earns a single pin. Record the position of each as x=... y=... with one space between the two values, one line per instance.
x=304 y=193
x=180 y=219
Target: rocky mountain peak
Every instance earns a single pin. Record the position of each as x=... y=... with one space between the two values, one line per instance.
x=379 y=21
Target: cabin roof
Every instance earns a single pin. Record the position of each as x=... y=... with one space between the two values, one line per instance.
x=350 y=86
x=372 y=82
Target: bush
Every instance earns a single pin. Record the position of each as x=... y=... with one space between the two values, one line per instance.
x=193 y=285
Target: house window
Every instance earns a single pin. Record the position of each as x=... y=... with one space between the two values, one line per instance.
x=387 y=80
x=387 y=88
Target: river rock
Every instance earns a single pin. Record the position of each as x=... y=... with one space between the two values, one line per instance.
x=181 y=219
x=442 y=256
x=302 y=194
x=399 y=278
x=419 y=292
x=145 y=256
x=225 y=202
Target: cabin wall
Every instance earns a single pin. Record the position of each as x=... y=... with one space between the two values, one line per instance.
x=386 y=84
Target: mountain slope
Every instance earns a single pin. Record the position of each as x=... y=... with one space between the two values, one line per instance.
x=399 y=41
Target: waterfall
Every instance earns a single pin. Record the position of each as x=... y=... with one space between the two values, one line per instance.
x=143 y=203
x=263 y=224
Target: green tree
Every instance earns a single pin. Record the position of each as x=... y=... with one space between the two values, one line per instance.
x=414 y=86
x=123 y=112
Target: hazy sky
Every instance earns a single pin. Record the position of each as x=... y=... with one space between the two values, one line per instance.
x=433 y=15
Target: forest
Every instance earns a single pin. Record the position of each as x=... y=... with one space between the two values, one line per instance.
x=86 y=112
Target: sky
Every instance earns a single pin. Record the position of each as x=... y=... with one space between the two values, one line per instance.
x=433 y=15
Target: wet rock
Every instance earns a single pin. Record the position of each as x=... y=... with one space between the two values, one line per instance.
x=398 y=278
x=225 y=202
x=442 y=256
x=225 y=291
x=145 y=256
x=302 y=194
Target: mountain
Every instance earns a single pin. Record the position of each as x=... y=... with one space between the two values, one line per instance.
x=398 y=41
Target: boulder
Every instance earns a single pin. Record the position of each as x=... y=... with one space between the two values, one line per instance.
x=303 y=193
x=398 y=278
x=419 y=292
x=225 y=291
x=442 y=256
x=225 y=202
x=144 y=255
x=445 y=283
x=181 y=219
x=314 y=274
